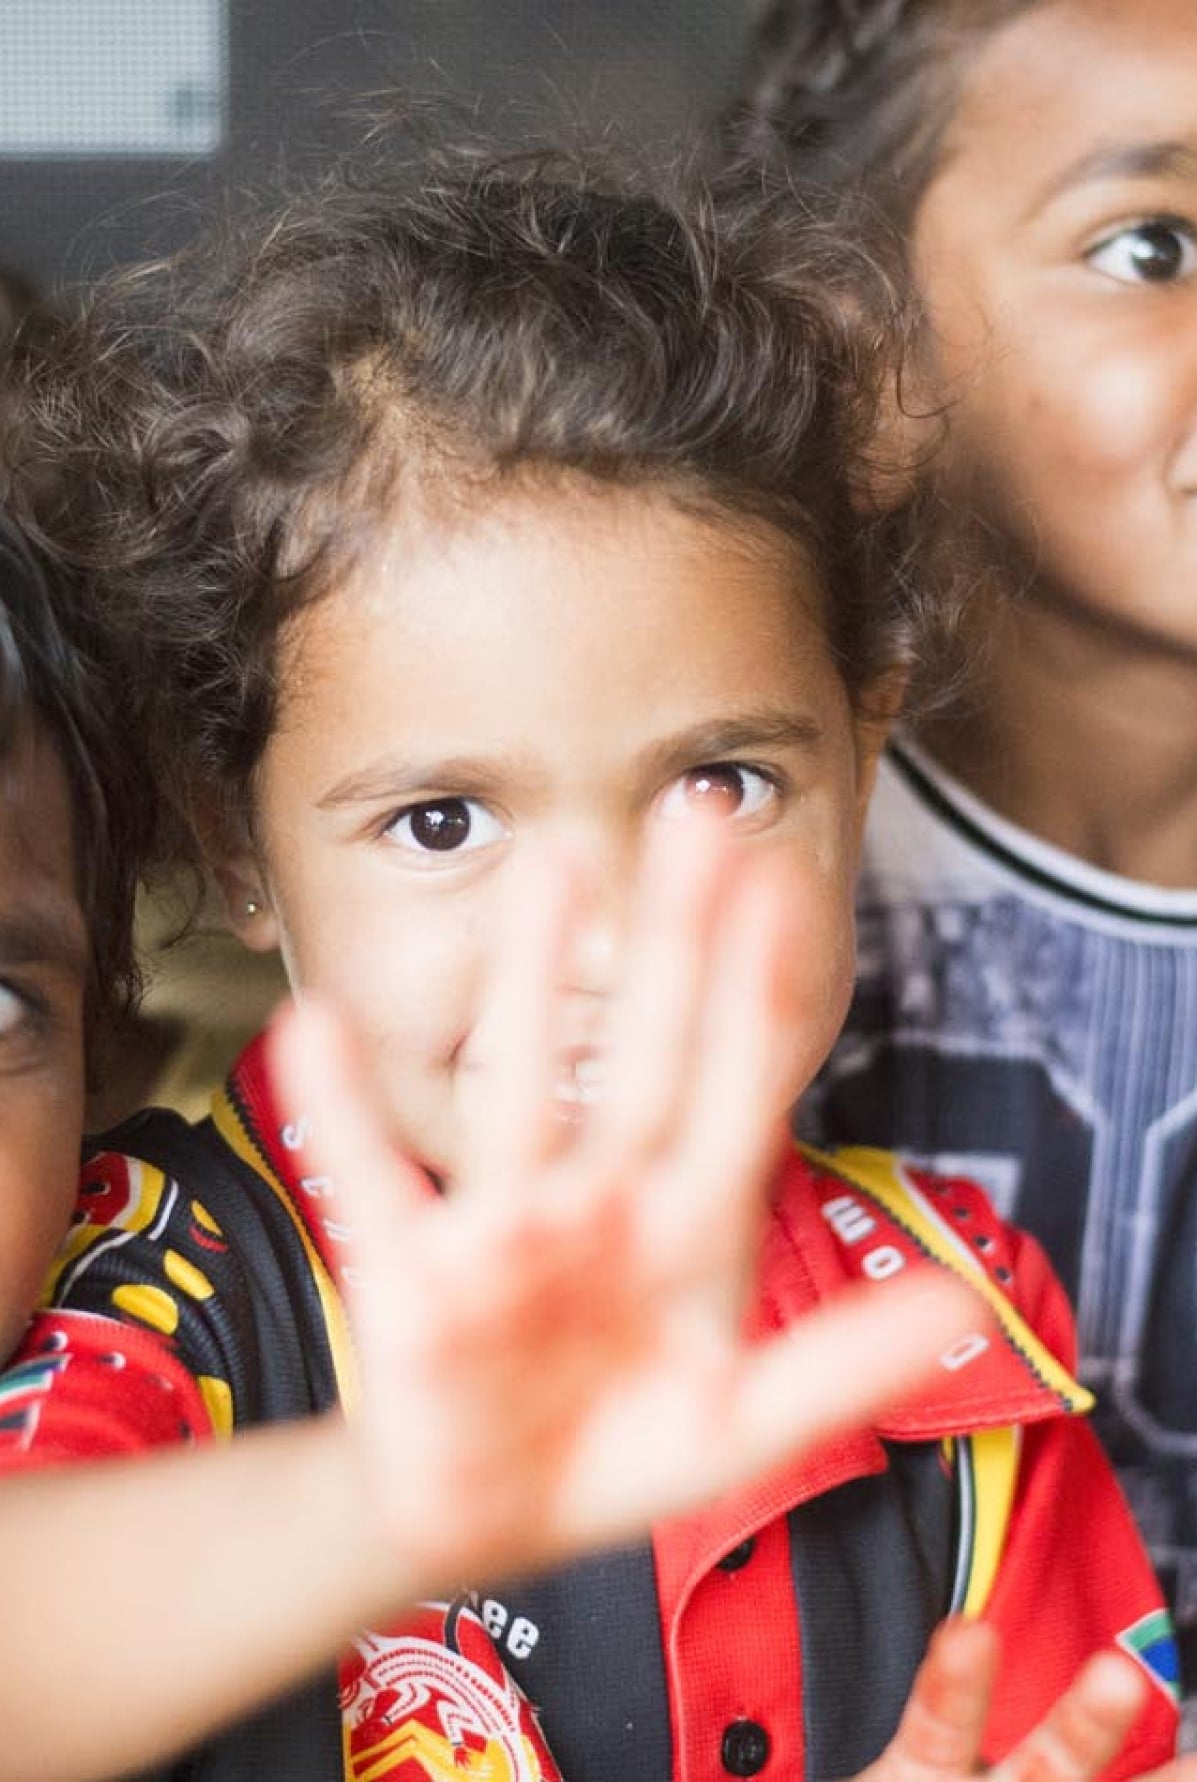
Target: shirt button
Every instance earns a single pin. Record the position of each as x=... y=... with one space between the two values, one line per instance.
x=739 y=1556
x=745 y=1748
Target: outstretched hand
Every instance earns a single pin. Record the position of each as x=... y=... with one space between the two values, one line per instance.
x=940 y=1736
x=551 y=1353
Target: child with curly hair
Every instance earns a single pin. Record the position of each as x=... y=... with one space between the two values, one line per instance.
x=1027 y=1003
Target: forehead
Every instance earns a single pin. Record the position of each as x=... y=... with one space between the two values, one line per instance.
x=42 y=923
x=536 y=584
x=1070 y=77
x=37 y=841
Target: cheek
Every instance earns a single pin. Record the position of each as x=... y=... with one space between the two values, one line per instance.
x=413 y=993
x=39 y=1175
x=1109 y=423
x=1068 y=412
x=821 y=974
x=391 y=954
x=406 y=968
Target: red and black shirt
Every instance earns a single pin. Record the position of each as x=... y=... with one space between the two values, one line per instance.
x=775 y=1634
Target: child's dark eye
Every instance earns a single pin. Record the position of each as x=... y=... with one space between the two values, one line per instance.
x=23 y=1016
x=445 y=826
x=724 y=789
x=1158 y=252
x=14 y=1011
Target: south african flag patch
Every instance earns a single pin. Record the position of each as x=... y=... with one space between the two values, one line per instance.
x=1152 y=1643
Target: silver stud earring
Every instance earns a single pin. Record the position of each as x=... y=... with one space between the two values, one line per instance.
x=252 y=907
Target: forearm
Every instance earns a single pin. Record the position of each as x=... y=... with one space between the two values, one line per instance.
x=147 y=1602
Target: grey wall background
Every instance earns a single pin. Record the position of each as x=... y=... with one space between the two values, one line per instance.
x=298 y=73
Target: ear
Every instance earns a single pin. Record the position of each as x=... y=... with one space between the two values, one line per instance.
x=237 y=869
x=247 y=903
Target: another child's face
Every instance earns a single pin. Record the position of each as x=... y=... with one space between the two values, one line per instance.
x=558 y=665
x=1058 y=247
x=43 y=979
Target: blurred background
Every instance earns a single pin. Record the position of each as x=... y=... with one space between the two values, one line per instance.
x=119 y=117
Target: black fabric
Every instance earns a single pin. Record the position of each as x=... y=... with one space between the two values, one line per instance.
x=262 y=1332
x=872 y=1565
x=274 y=1351
x=598 y=1644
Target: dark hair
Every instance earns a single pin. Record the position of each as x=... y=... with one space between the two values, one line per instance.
x=859 y=93
x=27 y=319
x=234 y=424
x=54 y=674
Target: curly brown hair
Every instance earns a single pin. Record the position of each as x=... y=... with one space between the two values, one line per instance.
x=859 y=94
x=57 y=668
x=228 y=428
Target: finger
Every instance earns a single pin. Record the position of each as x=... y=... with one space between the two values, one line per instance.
x=840 y=1367
x=1086 y=1728
x=1181 y=1769
x=656 y=1014
x=705 y=1432
x=342 y=1150
x=506 y=1108
x=745 y=1059
x=944 y=1720
x=711 y=1200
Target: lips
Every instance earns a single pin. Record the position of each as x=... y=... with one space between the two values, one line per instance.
x=579 y=1078
x=580 y=1081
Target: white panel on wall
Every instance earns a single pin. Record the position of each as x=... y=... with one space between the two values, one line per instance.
x=112 y=77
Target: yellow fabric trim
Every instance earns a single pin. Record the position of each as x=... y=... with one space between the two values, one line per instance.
x=149 y=1305
x=218 y=1398
x=203 y=1217
x=436 y=1757
x=147 y=1186
x=186 y=1277
x=228 y=1124
x=878 y=1174
x=995 y=1475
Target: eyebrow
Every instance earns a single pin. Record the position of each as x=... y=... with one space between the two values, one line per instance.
x=469 y=775
x=1126 y=160
x=753 y=731
x=43 y=936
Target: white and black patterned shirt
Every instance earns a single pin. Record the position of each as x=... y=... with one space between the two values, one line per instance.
x=1029 y=1021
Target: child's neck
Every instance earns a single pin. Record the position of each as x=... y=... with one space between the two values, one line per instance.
x=1086 y=740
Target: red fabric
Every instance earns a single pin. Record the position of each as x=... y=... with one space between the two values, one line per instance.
x=732 y=1650
x=84 y=1386
x=415 y=1703
x=1072 y=1578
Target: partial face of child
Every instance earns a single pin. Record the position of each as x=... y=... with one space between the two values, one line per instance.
x=43 y=979
x=553 y=666
x=1058 y=247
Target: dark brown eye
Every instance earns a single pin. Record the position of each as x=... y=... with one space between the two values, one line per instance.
x=722 y=789
x=441 y=827
x=445 y=826
x=1158 y=252
x=719 y=790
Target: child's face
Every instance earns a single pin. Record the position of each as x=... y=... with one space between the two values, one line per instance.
x=43 y=979
x=1058 y=247
x=567 y=666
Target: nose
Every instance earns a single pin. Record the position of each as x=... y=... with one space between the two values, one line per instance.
x=590 y=963
x=598 y=935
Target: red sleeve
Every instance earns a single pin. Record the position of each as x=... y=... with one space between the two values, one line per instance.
x=125 y=1355
x=81 y=1387
x=1074 y=1576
